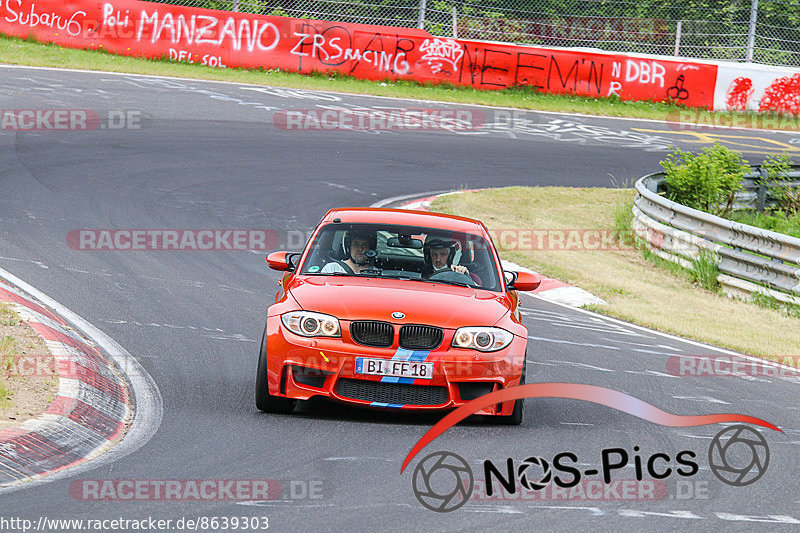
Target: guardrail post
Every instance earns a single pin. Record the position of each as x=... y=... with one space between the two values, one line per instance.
x=455 y=23
x=761 y=199
x=678 y=38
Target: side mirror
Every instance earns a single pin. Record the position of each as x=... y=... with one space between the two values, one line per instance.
x=522 y=281
x=282 y=261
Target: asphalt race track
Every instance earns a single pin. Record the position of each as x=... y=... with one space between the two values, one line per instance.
x=207 y=155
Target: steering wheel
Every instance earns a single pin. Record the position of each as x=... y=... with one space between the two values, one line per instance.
x=453 y=276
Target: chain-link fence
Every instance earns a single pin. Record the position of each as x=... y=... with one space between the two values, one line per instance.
x=764 y=31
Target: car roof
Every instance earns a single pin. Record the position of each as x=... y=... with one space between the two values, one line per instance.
x=404 y=217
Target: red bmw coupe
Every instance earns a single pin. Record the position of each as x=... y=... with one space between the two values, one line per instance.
x=394 y=309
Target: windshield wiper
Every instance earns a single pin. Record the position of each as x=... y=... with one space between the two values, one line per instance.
x=398 y=276
x=458 y=283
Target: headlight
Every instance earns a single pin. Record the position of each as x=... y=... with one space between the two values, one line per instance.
x=482 y=339
x=310 y=324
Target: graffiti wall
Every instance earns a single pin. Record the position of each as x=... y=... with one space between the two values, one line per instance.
x=224 y=39
x=758 y=88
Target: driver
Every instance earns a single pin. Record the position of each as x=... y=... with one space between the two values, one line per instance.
x=439 y=255
x=356 y=245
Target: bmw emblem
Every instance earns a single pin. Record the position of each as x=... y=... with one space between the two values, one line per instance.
x=398 y=315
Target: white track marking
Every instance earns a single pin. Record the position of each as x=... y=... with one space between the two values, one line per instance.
x=387 y=201
x=651 y=373
x=581 y=365
x=707 y=399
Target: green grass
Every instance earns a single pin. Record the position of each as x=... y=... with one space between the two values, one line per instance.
x=28 y=52
x=623 y=218
x=5 y=398
x=705 y=270
x=8 y=346
x=770 y=302
x=657 y=260
x=775 y=222
x=7 y=316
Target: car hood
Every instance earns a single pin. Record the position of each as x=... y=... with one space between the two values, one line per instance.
x=445 y=306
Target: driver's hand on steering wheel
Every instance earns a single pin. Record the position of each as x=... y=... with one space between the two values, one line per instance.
x=461 y=269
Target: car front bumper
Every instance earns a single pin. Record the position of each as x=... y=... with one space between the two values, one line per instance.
x=301 y=368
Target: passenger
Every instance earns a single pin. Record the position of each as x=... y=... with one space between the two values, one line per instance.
x=439 y=254
x=356 y=245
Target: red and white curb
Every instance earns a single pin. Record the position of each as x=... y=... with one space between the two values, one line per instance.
x=424 y=204
x=557 y=291
x=90 y=414
x=550 y=289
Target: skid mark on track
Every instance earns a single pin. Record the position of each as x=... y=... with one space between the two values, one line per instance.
x=211 y=333
x=564 y=320
x=593 y=345
x=340 y=186
x=663 y=346
x=581 y=365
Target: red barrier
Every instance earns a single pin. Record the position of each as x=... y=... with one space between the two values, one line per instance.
x=226 y=39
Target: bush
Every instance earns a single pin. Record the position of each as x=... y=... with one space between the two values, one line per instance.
x=787 y=198
x=706 y=181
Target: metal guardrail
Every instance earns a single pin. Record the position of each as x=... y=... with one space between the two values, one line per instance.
x=756 y=189
x=750 y=259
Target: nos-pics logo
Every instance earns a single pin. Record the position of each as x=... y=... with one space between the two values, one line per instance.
x=443 y=481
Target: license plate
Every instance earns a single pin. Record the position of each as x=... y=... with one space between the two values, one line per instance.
x=394 y=368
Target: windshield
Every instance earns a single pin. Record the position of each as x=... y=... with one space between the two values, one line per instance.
x=403 y=252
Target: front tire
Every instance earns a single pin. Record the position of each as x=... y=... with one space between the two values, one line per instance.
x=515 y=418
x=264 y=400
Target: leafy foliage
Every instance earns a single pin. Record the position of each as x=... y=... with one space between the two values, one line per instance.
x=787 y=198
x=707 y=181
